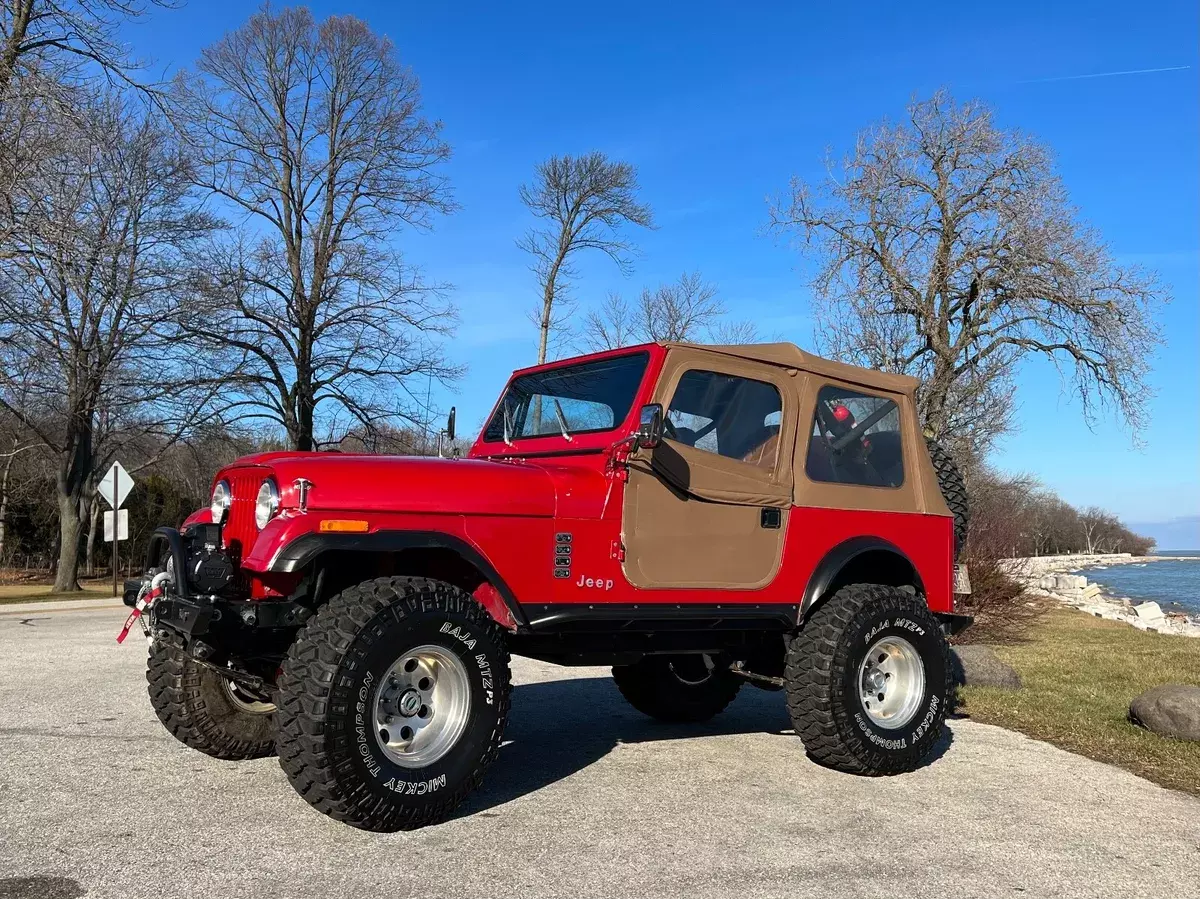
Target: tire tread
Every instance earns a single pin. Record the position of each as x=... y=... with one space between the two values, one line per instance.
x=308 y=674
x=176 y=687
x=814 y=663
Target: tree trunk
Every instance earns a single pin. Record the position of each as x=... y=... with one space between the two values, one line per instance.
x=22 y=12
x=70 y=530
x=544 y=335
x=304 y=429
x=8 y=464
x=74 y=477
x=936 y=393
x=93 y=525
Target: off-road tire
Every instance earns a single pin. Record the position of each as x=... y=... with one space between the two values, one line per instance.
x=954 y=491
x=191 y=701
x=653 y=687
x=822 y=680
x=329 y=684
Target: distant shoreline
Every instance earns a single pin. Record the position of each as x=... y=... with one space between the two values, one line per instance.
x=1057 y=577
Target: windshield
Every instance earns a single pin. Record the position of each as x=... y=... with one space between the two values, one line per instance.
x=592 y=396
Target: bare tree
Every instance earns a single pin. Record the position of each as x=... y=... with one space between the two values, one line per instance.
x=67 y=35
x=679 y=311
x=687 y=310
x=49 y=49
x=90 y=354
x=314 y=132
x=948 y=249
x=736 y=331
x=17 y=441
x=584 y=203
x=610 y=326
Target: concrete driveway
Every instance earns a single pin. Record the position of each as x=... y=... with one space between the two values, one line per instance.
x=588 y=798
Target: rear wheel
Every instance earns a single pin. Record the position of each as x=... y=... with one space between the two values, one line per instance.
x=206 y=711
x=392 y=703
x=868 y=679
x=679 y=688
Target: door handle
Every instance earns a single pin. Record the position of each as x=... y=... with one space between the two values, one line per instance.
x=770 y=518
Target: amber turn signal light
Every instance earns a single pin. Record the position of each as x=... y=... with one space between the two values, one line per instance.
x=344 y=526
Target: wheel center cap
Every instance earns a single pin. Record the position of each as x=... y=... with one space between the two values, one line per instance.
x=876 y=681
x=410 y=703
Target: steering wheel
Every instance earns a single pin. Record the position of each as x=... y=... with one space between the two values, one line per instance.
x=669 y=429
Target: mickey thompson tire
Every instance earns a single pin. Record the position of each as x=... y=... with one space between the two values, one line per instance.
x=679 y=688
x=867 y=680
x=392 y=703
x=954 y=491
x=204 y=711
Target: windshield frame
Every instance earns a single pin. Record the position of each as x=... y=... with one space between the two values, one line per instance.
x=491 y=441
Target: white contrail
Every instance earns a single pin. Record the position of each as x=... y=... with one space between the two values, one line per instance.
x=1105 y=74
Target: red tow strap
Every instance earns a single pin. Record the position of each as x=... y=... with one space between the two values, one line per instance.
x=143 y=603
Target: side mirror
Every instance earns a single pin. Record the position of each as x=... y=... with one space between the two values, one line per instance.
x=450 y=425
x=650 y=426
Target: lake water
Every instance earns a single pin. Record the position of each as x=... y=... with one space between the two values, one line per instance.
x=1173 y=585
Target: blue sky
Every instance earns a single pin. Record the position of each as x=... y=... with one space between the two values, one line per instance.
x=719 y=104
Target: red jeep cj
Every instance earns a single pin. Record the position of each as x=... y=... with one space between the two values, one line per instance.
x=696 y=517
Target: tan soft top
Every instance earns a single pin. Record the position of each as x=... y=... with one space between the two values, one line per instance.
x=788 y=355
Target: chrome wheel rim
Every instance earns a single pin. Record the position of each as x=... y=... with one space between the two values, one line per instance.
x=245 y=700
x=422 y=706
x=891 y=682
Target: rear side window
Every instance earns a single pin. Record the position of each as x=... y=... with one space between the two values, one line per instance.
x=855 y=440
x=734 y=417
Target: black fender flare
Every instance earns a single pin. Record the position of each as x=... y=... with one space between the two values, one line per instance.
x=839 y=557
x=173 y=541
x=305 y=548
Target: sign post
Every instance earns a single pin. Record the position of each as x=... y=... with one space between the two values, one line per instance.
x=114 y=487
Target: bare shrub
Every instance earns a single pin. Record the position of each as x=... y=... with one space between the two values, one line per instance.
x=1001 y=608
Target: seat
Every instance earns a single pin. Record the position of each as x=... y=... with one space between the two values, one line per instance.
x=763 y=447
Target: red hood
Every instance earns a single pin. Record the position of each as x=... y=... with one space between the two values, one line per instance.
x=368 y=483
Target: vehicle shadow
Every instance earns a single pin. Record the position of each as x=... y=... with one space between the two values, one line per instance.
x=557 y=728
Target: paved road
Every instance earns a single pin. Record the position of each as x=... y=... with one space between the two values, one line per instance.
x=588 y=799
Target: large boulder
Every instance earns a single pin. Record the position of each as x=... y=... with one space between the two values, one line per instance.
x=1150 y=614
x=1172 y=710
x=976 y=665
x=1068 y=583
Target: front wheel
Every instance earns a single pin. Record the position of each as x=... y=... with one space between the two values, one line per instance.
x=867 y=680
x=392 y=703
x=206 y=711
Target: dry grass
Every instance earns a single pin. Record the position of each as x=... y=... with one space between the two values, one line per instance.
x=1080 y=674
x=10 y=594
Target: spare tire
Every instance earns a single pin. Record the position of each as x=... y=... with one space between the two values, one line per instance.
x=954 y=490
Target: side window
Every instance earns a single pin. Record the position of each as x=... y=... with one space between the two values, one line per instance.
x=855 y=440
x=733 y=417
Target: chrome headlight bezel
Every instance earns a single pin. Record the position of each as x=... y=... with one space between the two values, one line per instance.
x=266 y=504
x=222 y=499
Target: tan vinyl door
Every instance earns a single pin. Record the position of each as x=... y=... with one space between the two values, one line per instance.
x=709 y=507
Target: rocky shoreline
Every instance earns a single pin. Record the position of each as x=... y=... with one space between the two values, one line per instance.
x=1049 y=576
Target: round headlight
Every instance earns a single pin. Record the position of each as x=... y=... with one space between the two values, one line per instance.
x=267 y=503
x=221 y=498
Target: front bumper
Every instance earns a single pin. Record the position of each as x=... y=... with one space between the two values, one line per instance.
x=202 y=616
x=210 y=616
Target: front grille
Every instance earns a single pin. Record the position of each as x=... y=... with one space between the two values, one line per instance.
x=240 y=531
